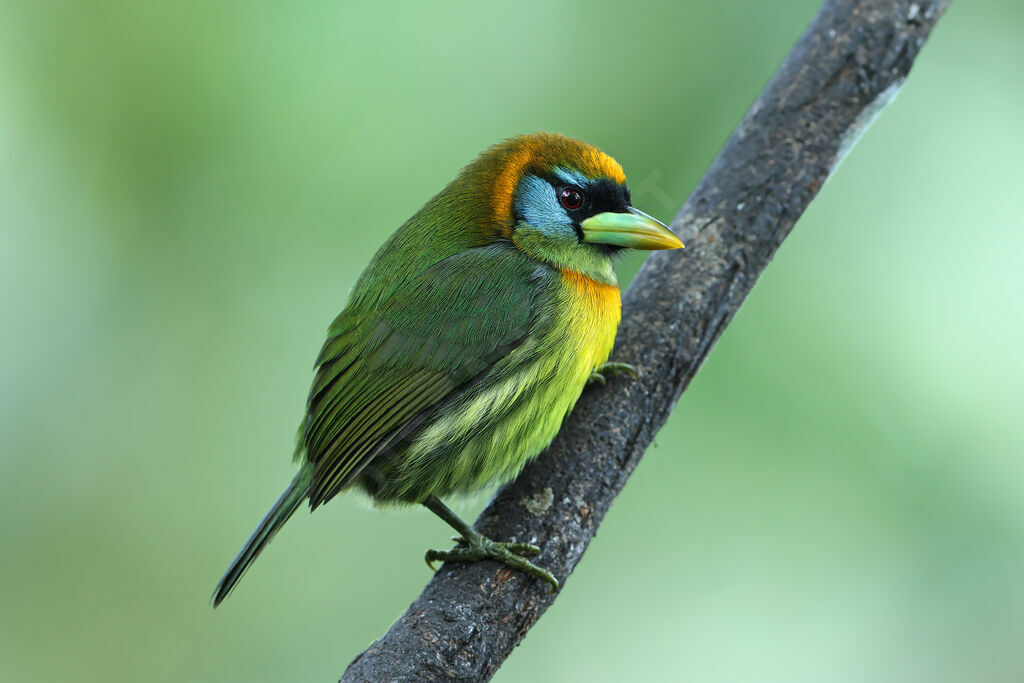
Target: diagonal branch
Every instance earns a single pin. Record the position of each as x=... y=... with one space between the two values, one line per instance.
x=848 y=64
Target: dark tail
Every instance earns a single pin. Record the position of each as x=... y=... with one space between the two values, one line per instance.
x=282 y=510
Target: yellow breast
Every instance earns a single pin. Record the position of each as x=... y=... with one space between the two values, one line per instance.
x=594 y=309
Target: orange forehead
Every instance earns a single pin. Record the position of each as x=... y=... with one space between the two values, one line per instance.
x=542 y=153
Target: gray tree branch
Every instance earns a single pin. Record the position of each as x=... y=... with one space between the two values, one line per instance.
x=849 y=62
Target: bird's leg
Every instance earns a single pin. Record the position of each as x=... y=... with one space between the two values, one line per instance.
x=603 y=372
x=479 y=547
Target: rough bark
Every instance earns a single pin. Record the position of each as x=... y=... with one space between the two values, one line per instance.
x=848 y=63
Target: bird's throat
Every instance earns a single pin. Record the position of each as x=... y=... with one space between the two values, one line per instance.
x=585 y=260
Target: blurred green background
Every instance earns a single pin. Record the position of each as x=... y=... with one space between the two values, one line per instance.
x=189 y=190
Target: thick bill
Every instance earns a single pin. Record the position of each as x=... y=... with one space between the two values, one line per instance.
x=632 y=230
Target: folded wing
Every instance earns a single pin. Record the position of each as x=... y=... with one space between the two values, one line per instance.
x=382 y=373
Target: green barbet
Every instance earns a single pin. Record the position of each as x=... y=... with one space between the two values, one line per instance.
x=468 y=339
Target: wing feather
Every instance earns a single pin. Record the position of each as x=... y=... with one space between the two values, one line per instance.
x=381 y=371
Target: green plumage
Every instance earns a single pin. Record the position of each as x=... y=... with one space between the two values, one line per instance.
x=463 y=346
x=383 y=372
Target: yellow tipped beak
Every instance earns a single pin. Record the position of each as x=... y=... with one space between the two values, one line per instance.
x=633 y=230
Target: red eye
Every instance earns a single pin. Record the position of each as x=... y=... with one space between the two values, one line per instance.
x=571 y=198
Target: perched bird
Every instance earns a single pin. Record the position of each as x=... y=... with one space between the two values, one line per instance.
x=468 y=339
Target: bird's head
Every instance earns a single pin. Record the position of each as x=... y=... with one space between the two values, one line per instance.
x=563 y=201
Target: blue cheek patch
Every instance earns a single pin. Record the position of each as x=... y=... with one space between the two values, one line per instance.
x=537 y=205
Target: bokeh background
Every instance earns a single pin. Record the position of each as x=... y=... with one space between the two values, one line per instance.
x=189 y=190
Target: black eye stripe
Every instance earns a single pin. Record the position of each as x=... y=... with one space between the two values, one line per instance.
x=598 y=196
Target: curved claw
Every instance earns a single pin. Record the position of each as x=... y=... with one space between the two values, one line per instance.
x=616 y=368
x=510 y=554
x=611 y=369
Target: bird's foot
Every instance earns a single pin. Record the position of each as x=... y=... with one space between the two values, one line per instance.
x=613 y=369
x=482 y=548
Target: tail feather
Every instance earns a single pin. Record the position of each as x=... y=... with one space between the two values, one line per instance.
x=281 y=511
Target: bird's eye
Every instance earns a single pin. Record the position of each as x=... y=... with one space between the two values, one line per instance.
x=571 y=198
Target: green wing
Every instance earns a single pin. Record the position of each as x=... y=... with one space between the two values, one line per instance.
x=381 y=372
